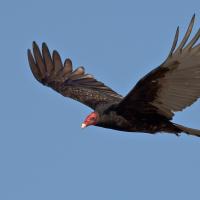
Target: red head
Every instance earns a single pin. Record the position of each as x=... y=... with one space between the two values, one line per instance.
x=91 y=119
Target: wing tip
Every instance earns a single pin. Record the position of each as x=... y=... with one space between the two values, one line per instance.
x=185 y=39
x=44 y=45
x=28 y=52
x=193 y=17
x=34 y=44
x=55 y=52
x=192 y=21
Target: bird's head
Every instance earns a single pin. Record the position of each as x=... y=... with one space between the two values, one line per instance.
x=91 y=119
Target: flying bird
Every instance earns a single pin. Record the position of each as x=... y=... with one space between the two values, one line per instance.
x=149 y=107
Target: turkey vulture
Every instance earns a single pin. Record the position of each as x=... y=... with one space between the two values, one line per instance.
x=149 y=107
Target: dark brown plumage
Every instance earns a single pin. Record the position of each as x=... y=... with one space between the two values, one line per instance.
x=148 y=107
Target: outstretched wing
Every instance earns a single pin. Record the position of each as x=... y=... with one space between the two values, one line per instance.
x=172 y=86
x=50 y=71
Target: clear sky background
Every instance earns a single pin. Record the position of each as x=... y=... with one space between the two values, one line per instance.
x=43 y=152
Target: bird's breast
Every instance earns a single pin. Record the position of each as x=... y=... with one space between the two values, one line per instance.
x=114 y=121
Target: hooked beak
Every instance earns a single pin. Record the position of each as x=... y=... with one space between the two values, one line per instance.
x=83 y=125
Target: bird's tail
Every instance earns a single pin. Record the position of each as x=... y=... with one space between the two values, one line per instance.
x=189 y=131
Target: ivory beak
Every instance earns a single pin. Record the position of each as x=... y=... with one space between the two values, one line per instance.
x=83 y=125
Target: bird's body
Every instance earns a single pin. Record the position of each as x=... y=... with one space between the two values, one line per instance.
x=138 y=123
x=149 y=107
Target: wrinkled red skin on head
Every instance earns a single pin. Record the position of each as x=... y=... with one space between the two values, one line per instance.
x=91 y=119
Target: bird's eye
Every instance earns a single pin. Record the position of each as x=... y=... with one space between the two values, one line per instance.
x=92 y=118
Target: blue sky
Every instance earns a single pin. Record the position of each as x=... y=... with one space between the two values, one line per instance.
x=43 y=152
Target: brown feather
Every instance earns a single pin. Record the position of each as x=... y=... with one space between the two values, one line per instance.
x=74 y=84
x=172 y=86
